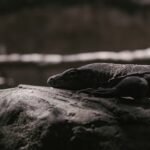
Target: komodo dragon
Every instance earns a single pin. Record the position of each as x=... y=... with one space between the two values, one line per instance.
x=106 y=80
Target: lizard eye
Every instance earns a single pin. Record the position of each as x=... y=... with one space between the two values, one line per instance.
x=72 y=72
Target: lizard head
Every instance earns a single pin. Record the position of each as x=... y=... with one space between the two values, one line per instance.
x=72 y=79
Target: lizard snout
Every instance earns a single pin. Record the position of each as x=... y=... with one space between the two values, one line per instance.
x=51 y=81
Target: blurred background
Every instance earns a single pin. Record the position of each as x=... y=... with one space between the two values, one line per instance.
x=41 y=38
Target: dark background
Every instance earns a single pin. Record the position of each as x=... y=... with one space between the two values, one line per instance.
x=67 y=27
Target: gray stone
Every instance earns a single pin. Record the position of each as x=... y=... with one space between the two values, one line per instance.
x=43 y=118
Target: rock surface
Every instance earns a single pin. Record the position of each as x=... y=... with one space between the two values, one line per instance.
x=43 y=118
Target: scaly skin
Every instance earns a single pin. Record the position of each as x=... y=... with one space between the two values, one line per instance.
x=106 y=79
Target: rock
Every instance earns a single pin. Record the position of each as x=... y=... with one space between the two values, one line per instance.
x=43 y=118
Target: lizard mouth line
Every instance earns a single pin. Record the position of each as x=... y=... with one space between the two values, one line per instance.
x=56 y=83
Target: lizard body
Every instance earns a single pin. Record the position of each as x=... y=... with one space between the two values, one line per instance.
x=106 y=79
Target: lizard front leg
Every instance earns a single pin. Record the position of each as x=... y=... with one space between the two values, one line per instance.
x=104 y=92
x=134 y=86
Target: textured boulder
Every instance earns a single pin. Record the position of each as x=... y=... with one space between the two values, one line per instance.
x=43 y=118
